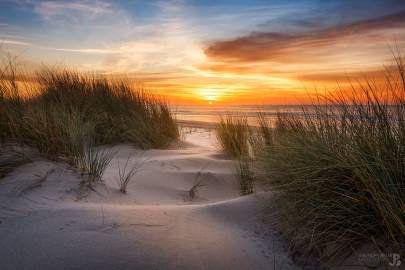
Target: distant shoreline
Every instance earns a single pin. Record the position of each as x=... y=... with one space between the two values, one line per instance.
x=196 y=124
x=201 y=124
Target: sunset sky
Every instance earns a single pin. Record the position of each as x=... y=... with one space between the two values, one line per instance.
x=202 y=52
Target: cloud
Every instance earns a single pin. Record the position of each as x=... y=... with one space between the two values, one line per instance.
x=348 y=77
x=14 y=42
x=51 y=9
x=298 y=47
x=114 y=41
x=76 y=50
x=83 y=50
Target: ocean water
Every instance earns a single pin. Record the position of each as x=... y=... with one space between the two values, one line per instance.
x=212 y=114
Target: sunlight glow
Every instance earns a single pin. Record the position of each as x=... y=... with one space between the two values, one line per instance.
x=212 y=93
x=192 y=55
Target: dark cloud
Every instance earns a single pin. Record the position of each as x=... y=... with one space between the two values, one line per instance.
x=296 y=47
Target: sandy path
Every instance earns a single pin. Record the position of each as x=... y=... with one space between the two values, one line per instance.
x=154 y=226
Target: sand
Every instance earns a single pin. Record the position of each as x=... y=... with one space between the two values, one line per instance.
x=46 y=222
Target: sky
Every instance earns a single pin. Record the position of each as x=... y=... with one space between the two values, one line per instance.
x=210 y=52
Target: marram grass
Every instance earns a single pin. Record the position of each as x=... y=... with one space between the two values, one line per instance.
x=66 y=114
x=236 y=139
x=339 y=171
x=233 y=134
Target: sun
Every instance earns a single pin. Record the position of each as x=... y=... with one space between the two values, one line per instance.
x=210 y=94
x=211 y=99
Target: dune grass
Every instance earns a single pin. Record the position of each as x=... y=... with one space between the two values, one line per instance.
x=233 y=134
x=245 y=174
x=197 y=184
x=67 y=114
x=339 y=170
x=236 y=138
x=126 y=174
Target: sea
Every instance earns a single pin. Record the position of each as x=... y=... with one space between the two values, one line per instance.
x=212 y=114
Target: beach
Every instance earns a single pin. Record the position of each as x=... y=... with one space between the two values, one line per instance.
x=47 y=222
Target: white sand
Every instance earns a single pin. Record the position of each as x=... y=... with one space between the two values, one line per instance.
x=44 y=224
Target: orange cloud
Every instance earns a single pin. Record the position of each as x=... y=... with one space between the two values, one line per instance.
x=302 y=47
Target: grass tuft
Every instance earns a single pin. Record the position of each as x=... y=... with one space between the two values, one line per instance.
x=125 y=174
x=197 y=184
x=233 y=134
x=237 y=139
x=245 y=175
x=94 y=162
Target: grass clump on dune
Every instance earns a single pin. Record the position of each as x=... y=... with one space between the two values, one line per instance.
x=246 y=177
x=67 y=114
x=233 y=134
x=236 y=138
x=339 y=169
x=126 y=174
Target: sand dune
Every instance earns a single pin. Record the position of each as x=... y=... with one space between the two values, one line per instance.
x=46 y=224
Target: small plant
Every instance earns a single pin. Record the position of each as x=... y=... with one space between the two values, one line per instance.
x=126 y=174
x=93 y=163
x=196 y=185
x=245 y=175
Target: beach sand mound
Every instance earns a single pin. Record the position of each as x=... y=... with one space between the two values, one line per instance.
x=46 y=222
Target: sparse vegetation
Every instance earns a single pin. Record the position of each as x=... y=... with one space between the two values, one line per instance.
x=126 y=174
x=197 y=184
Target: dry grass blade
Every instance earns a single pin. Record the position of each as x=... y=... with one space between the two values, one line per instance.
x=197 y=184
x=126 y=175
